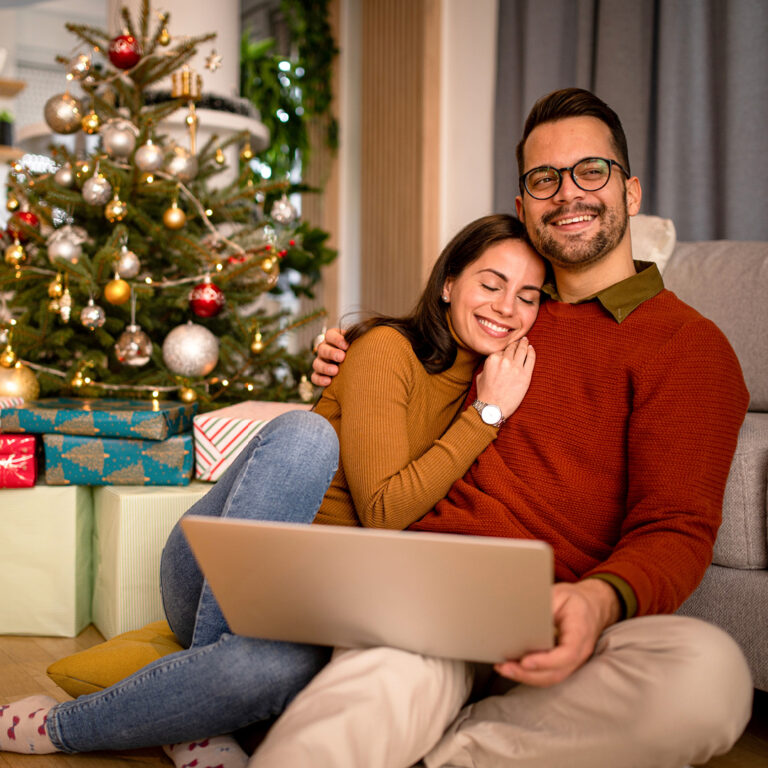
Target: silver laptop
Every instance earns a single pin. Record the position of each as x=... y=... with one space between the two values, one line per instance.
x=468 y=597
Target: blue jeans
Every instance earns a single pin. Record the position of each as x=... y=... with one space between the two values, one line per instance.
x=221 y=682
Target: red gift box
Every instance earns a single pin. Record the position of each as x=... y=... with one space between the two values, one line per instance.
x=18 y=461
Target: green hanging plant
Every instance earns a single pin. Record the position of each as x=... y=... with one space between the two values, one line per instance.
x=290 y=91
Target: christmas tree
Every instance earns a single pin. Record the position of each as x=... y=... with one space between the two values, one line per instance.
x=128 y=272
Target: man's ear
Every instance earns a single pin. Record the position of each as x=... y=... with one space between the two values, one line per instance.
x=519 y=208
x=634 y=194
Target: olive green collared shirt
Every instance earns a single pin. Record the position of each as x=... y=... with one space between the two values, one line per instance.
x=620 y=300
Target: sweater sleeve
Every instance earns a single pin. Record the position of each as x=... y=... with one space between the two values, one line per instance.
x=688 y=404
x=390 y=487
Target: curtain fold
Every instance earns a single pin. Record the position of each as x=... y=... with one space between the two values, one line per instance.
x=689 y=79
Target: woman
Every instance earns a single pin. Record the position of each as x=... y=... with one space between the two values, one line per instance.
x=396 y=408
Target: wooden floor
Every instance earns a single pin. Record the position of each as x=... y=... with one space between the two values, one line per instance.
x=23 y=661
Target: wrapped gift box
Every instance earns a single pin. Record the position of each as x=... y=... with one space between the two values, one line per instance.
x=222 y=434
x=10 y=402
x=131 y=525
x=45 y=551
x=18 y=461
x=74 y=460
x=103 y=417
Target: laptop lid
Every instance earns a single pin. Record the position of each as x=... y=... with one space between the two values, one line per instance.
x=469 y=597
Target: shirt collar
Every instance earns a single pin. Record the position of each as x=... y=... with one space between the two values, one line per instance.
x=622 y=298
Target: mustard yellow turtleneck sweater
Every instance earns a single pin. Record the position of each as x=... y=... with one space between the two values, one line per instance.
x=403 y=441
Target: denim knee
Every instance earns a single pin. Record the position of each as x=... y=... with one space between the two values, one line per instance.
x=312 y=440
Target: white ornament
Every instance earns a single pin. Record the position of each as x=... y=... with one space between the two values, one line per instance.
x=182 y=165
x=191 y=350
x=97 y=190
x=283 y=211
x=149 y=157
x=66 y=243
x=118 y=137
x=128 y=264
x=65 y=176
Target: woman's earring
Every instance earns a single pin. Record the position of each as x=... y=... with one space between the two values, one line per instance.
x=444 y=297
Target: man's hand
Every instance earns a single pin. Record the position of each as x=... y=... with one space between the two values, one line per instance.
x=581 y=612
x=330 y=353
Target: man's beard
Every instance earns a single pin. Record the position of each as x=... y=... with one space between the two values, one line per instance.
x=579 y=252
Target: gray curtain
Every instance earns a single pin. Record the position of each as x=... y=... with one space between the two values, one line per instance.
x=689 y=79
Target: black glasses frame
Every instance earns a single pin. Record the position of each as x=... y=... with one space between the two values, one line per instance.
x=560 y=171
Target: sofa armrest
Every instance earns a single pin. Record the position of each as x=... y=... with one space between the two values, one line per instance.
x=742 y=541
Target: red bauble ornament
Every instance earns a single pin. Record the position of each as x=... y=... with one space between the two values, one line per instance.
x=206 y=299
x=28 y=218
x=124 y=51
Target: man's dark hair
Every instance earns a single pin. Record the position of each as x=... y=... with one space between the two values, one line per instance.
x=574 y=102
x=426 y=327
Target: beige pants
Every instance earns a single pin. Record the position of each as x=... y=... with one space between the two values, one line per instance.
x=659 y=692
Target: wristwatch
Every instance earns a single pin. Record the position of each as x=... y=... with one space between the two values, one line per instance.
x=490 y=414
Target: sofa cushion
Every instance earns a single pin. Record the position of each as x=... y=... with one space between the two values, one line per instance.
x=102 y=665
x=742 y=541
x=726 y=281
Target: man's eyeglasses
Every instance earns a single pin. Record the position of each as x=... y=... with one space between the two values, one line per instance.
x=589 y=174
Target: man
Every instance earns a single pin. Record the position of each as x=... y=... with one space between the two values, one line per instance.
x=618 y=457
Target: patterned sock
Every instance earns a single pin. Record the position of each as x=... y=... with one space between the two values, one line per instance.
x=216 y=752
x=22 y=726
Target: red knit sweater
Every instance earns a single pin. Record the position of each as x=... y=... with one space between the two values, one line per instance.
x=619 y=454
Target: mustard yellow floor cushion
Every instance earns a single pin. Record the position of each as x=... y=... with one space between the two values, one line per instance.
x=102 y=665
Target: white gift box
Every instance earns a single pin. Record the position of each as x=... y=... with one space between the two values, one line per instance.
x=221 y=435
x=131 y=526
x=45 y=551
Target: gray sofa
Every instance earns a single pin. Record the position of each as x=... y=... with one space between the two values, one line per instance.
x=727 y=281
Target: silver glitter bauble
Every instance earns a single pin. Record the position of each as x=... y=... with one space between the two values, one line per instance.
x=283 y=211
x=63 y=113
x=191 y=350
x=65 y=176
x=92 y=316
x=182 y=165
x=133 y=347
x=149 y=157
x=118 y=137
x=97 y=190
x=128 y=264
x=80 y=66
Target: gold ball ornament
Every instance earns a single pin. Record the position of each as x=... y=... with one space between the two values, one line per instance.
x=91 y=123
x=19 y=381
x=165 y=36
x=187 y=395
x=117 y=291
x=246 y=153
x=219 y=156
x=77 y=380
x=115 y=210
x=257 y=345
x=12 y=204
x=174 y=217
x=8 y=357
x=15 y=254
x=268 y=264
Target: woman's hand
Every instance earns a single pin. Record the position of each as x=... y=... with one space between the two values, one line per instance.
x=506 y=375
x=330 y=354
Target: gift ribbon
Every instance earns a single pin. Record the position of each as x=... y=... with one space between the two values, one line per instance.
x=13 y=468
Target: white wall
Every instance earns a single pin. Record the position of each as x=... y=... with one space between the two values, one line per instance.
x=467 y=90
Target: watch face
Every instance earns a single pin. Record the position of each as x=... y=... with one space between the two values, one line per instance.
x=491 y=414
